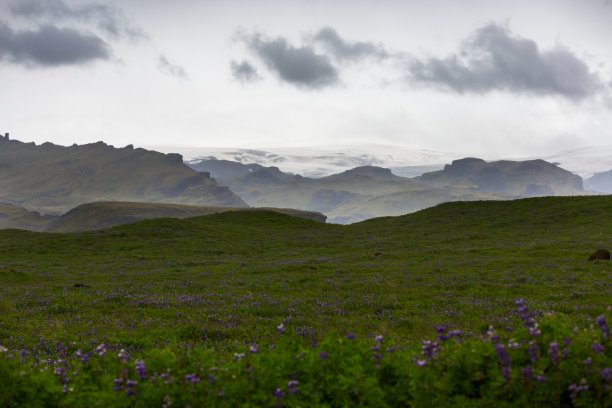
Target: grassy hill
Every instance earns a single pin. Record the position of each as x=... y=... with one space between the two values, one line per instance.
x=198 y=295
x=93 y=216
x=51 y=178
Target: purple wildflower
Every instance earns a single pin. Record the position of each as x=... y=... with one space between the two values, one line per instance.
x=606 y=373
x=278 y=393
x=254 y=349
x=534 y=351
x=575 y=389
x=141 y=368
x=588 y=361
x=421 y=363
x=554 y=352
x=504 y=359
x=293 y=387
x=101 y=350
x=350 y=336
x=430 y=349
x=598 y=348
x=323 y=355
x=192 y=378
x=603 y=326
x=280 y=328
x=527 y=372
x=123 y=356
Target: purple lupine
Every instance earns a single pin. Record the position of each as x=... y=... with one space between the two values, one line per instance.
x=575 y=389
x=598 y=348
x=554 y=352
x=527 y=372
x=278 y=393
x=534 y=351
x=430 y=349
x=280 y=328
x=420 y=363
x=141 y=368
x=504 y=359
x=293 y=387
x=323 y=355
x=588 y=361
x=254 y=349
x=350 y=336
x=603 y=326
x=526 y=317
x=192 y=378
x=131 y=388
x=606 y=373
x=101 y=350
x=123 y=356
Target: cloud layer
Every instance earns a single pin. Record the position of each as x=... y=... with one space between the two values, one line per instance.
x=244 y=71
x=107 y=18
x=491 y=59
x=168 y=68
x=300 y=66
x=494 y=59
x=49 y=46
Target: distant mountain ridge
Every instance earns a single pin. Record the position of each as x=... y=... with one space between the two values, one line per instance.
x=51 y=178
x=370 y=191
x=522 y=178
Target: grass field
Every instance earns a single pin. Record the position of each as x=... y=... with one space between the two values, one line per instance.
x=202 y=293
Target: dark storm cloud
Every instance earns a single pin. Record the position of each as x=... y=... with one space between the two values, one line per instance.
x=495 y=59
x=168 y=68
x=108 y=18
x=244 y=71
x=343 y=50
x=48 y=46
x=300 y=66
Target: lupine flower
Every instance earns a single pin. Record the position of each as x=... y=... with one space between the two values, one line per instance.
x=278 y=393
x=603 y=326
x=101 y=350
x=123 y=356
x=527 y=372
x=239 y=356
x=598 y=348
x=606 y=373
x=504 y=359
x=534 y=351
x=588 y=361
x=280 y=328
x=141 y=368
x=378 y=338
x=293 y=387
x=455 y=333
x=192 y=378
x=554 y=352
x=421 y=363
x=323 y=355
x=350 y=336
x=131 y=388
x=575 y=389
x=254 y=349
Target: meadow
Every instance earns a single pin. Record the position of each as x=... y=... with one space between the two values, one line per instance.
x=462 y=304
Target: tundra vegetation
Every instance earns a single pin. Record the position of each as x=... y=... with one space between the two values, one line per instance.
x=490 y=303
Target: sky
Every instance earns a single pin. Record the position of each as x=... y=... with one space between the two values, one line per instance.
x=489 y=78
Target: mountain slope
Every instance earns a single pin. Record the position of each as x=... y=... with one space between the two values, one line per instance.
x=101 y=215
x=53 y=178
x=520 y=178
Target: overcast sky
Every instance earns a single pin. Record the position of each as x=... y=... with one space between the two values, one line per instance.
x=519 y=77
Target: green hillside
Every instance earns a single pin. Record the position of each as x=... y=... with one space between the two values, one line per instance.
x=52 y=178
x=93 y=216
x=233 y=306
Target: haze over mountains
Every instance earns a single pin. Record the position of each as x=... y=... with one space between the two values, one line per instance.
x=41 y=181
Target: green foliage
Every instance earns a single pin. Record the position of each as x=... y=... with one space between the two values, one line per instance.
x=193 y=295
